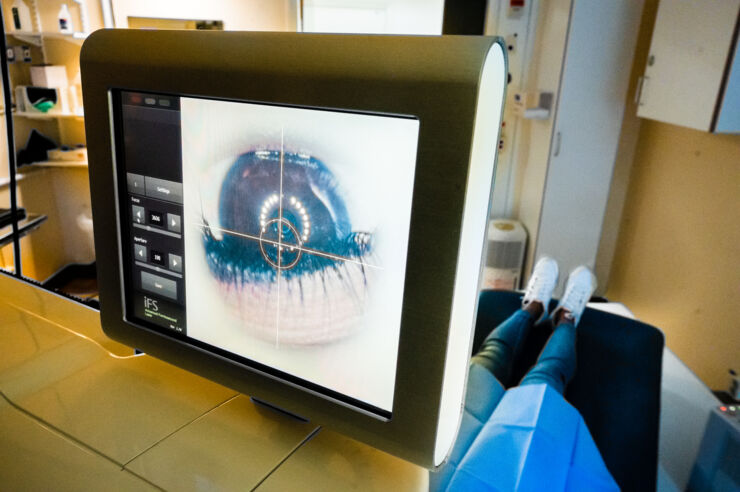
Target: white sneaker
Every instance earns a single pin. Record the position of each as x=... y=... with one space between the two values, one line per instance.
x=541 y=283
x=581 y=284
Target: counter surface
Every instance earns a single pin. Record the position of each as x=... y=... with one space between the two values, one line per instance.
x=79 y=411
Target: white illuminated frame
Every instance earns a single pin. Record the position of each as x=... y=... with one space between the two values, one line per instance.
x=472 y=240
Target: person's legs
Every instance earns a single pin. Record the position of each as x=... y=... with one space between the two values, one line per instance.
x=502 y=346
x=556 y=364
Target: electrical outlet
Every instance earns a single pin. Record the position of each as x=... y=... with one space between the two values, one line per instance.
x=511 y=41
x=518 y=103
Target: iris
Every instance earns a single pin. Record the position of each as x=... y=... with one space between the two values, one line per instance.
x=304 y=232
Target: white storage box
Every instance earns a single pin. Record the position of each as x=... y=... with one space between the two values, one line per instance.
x=49 y=76
x=27 y=96
x=76 y=154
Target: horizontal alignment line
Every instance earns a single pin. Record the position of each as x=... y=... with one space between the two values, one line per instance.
x=310 y=251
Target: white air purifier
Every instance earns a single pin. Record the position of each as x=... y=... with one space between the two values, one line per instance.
x=507 y=240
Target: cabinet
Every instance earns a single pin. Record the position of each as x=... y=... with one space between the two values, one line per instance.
x=692 y=76
x=554 y=173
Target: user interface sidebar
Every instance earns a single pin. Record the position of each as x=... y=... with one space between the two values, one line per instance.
x=153 y=164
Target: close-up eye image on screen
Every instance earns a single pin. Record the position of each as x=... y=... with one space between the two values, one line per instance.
x=296 y=229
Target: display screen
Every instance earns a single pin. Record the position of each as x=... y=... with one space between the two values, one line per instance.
x=273 y=235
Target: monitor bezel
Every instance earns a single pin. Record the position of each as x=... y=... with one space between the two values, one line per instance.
x=437 y=79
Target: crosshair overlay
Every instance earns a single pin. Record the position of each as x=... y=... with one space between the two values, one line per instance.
x=284 y=251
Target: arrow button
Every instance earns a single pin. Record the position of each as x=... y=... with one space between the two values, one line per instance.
x=138 y=213
x=174 y=223
x=140 y=252
x=175 y=263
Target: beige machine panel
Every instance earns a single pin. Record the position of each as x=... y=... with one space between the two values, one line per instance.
x=74 y=416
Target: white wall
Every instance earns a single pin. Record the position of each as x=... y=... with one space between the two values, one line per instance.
x=373 y=16
x=237 y=15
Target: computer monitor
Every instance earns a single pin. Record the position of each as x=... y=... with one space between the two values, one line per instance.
x=299 y=217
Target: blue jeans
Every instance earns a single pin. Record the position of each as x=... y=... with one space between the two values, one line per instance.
x=555 y=366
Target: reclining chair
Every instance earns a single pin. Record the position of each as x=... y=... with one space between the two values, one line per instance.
x=616 y=387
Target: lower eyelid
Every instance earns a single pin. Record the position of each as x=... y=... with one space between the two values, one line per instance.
x=314 y=309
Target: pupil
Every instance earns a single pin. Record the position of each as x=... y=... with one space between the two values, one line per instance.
x=283 y=253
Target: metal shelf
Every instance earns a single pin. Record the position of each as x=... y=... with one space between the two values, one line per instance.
x=37 y=38
x=59 y=164
x=46 y=116
x=5 y=182
x=26 y=225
